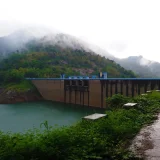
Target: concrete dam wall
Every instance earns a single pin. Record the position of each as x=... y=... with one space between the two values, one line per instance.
x=92 y=92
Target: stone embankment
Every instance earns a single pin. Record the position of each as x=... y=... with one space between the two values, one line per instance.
x=11 y=96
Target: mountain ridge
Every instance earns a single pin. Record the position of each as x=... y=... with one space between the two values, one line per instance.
x=52 y=55
x=141 y=66
x=19 y=41
x=23 y=36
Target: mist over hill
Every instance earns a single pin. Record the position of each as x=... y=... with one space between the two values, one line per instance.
x=18 y=40
x=50 y=54
x=141 y=66
x=21 y=41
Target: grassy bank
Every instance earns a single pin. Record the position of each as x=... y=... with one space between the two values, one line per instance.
x=22 y=86
x=108 y=137
x=23 y=91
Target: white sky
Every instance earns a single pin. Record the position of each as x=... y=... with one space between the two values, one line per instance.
x=122 y=27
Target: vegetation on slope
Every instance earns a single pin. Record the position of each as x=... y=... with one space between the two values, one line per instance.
x=86 y=140
x=51 y=61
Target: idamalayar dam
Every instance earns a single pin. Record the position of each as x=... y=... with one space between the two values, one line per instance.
x=92 y=91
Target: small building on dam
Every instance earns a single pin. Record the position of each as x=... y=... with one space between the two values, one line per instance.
x=93 y=90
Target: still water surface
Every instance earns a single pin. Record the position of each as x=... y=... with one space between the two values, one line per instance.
x=23 y=116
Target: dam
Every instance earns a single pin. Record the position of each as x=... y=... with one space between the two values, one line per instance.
x=92 y=91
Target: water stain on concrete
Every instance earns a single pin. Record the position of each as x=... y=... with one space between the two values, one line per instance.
x=147 y=143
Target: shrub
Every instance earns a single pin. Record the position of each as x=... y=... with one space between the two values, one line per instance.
x=117 y=101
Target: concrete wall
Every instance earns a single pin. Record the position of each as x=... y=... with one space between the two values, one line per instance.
x=96 y=91
x=50 y=90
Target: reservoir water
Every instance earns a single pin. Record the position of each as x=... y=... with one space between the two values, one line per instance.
x=23 y=116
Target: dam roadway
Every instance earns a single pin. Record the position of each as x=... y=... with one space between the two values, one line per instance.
x=92 y=91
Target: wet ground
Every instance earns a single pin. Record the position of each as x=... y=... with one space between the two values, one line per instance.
x=147 y=143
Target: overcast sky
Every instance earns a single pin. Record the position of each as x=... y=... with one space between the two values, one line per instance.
x=122 y=27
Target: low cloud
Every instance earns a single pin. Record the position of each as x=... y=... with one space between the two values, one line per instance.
x=118 y=46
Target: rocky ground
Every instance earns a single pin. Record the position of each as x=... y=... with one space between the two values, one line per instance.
x=147 y=143
x=11 y=96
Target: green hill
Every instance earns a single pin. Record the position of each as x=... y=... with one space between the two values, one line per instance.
x=51 y=61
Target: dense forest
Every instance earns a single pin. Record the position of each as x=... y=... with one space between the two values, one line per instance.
x=50 y=61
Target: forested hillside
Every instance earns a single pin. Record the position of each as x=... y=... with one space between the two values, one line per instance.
x=51 y=61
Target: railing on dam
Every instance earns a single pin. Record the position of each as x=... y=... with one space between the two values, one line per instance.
x=93 y=79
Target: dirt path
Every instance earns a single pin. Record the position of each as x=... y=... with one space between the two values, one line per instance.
x=147 y=142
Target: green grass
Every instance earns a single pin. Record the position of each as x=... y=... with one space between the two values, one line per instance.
x=108 y=137
x=22 y=86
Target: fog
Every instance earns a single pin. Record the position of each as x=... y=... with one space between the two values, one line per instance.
x=122 y=28
x=17 y=40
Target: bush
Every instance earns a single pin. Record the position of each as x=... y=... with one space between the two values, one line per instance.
x=117 y=101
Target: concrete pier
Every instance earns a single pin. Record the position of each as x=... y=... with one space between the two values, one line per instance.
x=95 y=116
x=129 y=105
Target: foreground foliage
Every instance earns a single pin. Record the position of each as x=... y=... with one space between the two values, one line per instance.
x=86 y=140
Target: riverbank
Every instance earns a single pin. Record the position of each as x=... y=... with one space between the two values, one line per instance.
x=12 y=96
x=22 y=92
x=107 y=138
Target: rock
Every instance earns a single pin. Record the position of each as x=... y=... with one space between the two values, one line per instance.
x=12 y=96
x=8 y=92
